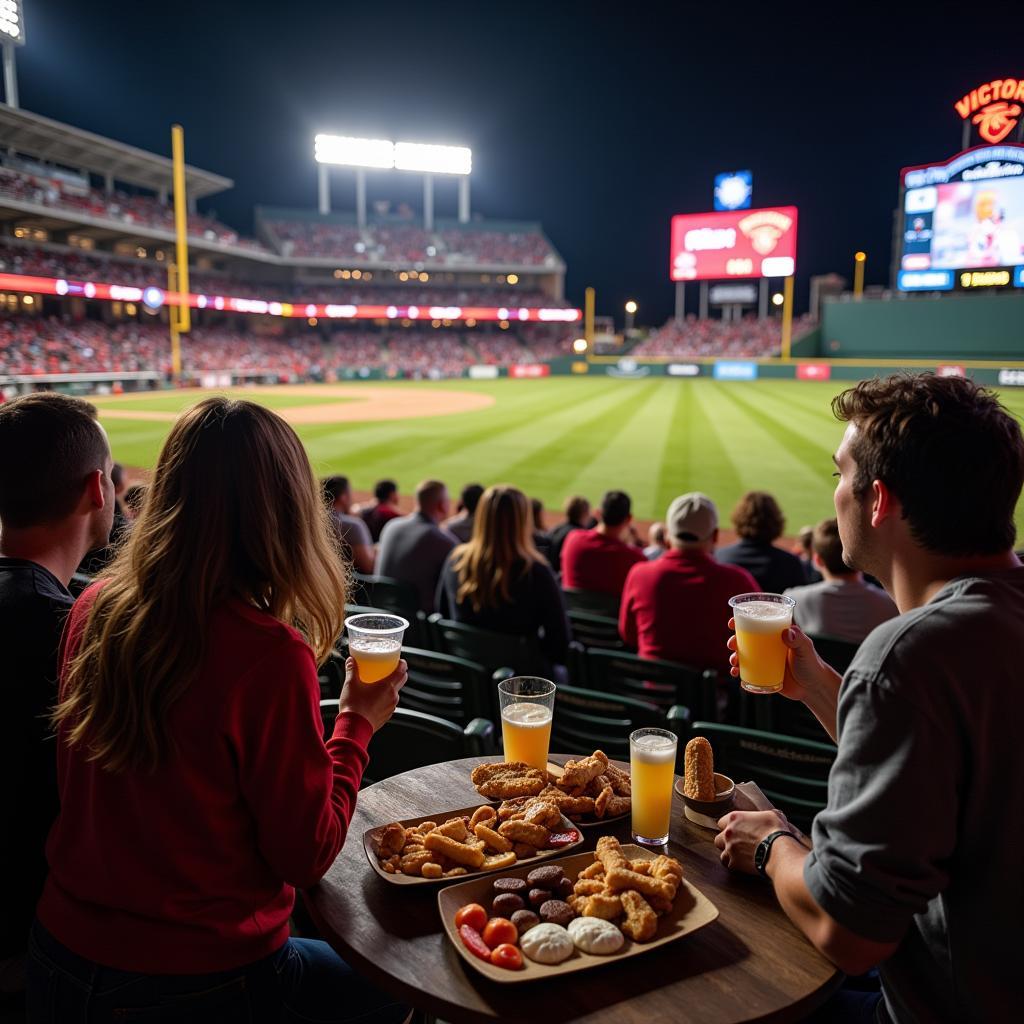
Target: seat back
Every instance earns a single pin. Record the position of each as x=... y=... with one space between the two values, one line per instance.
x=488 y=648
x=588 y=720
x=451 y=688
x=594 y=602
x=778 y=715
x=411 y=739
x=398 y=597
x=835 y=652
x=595 y=631
x=792 y=772
x=663 y=683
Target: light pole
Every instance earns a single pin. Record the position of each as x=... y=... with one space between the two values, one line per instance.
x=630 y=314
x=859 y=259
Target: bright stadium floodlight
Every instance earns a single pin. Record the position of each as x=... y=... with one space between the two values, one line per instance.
x=351 y=152
x=12 y=22
x=428 y=159
x=579 y=346
x=631 y=307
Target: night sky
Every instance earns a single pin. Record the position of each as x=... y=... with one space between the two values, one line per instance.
x=599 y=120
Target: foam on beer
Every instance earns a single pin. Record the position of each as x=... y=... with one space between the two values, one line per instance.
x=526 y=715
x=653 y=749
x=762 y=616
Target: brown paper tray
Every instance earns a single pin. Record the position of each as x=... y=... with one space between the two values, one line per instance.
x=371 y=840
x=691 y=911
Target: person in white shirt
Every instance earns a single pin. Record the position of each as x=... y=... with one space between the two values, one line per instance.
x=842 y=605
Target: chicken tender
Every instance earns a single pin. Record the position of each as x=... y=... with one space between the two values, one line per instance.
x=505 y=781
x=594 y=787
x=668 y=869
x=495 y=840
x=618 y=805
x=699 y=770
x=641 y=921
x=619 y=780
x=392 y=841
x=602 y=801
x=579 y=773
x=524 y=832
x=540 y=812
x=460 y=853
x=621 y=879
x=602 y=905
x=609 y=853
x=588 y=886
x=454 y=829
x=412 y=863
x=595 y=870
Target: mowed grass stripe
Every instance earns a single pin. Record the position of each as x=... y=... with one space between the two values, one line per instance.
x=809 y=422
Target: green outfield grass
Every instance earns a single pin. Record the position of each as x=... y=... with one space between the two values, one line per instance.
x=654 y=438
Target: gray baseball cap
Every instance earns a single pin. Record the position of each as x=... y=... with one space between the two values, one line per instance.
x=692 y=514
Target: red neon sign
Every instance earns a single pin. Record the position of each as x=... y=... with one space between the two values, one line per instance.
x=733 y=244
x=992 y=107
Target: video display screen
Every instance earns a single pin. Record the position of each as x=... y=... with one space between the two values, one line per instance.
x=734 y=244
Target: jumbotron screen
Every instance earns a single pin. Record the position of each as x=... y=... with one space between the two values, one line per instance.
x=963 y=222
x=733 y=244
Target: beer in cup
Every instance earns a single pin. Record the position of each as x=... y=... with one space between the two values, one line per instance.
x=760 y=621
x=527 y=704
x=375 y=642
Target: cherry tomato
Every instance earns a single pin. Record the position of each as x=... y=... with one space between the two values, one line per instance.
x=472 y=941
x=506 y=955
x=472 y=914
x=500 y=931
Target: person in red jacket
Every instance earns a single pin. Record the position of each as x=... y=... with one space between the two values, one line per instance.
x=196 y=789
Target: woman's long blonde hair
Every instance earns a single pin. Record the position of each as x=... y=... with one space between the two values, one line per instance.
x=233 y=511
x=500 y=551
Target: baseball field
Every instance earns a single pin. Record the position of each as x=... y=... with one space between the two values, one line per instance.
x=654 y=438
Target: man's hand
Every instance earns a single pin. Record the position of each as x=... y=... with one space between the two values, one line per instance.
x=740 y=833
x=376 y=702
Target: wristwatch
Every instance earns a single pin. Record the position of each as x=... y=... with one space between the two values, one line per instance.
x=764 y=848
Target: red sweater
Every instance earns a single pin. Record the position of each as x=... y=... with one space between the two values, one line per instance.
x=191 y=869
x=677 y=608
x=593 y=561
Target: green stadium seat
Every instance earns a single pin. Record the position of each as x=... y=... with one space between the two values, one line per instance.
x=412 y=739
x=520 y=654
x=792 y=772
x=596 y=631
x=835 y=652
x=592 y=601
x=382 y=593
x=664 y=683
x=589 y=720
x=451 y=688
x=772 y=713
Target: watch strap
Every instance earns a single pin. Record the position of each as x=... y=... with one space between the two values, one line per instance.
x=764 y=849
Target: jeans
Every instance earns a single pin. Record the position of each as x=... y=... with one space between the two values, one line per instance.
x=304 y=981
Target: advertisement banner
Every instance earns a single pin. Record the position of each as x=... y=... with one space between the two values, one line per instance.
x=483 y=372
x=735 y=371
x=950 y=370
x=813 y=371
x=1011 y=378
x=683 y=370
x=739 y=244
x=628 y=368
x=529 y=370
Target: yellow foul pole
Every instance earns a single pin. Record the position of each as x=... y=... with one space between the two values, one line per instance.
x=588 y=319
x=859 y=259
x=180 y=317
x=787 y=316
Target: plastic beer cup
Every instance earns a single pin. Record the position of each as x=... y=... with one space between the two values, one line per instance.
x=375 y=642
x=527 y=705
x=652 y=766
x=760 y=622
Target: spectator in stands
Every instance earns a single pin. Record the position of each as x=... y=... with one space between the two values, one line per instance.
x=656 y=543
x=413 y=548
x=196 y=789
x=352 y=532
x=94 y=561
x=133 y=499
x=56 y=502
x=842 y=605
x=676 y=607
x=499 y=580
x=804 y=550
x=598 y=560
x=577 y=517
x=383 y=510
x=460 y=525
x=759 y=523
x=915 y=864
x=541 y=537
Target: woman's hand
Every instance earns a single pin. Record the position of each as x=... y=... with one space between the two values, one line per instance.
x=376 y=702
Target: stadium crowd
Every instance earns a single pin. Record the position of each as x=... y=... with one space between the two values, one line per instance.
x=709 y=337
x=126 y=870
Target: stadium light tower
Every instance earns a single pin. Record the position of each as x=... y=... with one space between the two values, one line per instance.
x=382 y=154
x=12 y=33
x=859 y=259
x=630 y=314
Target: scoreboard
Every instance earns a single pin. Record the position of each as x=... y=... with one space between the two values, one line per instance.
x=733 y=244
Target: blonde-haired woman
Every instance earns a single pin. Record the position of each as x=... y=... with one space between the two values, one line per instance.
x=499 y=580
x=196 y=789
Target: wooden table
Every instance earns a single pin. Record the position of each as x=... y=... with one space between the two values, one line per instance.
x=749 y=965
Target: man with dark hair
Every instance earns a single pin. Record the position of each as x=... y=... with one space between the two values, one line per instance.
x=97 y=560
x=916 y=860
x=383 y=510
x=460 y=526
x=352 y=533
x=759 y=523
x=414 y=547
x=577 y=517
x=842 y=605
x=56 y=503
x=598 y=560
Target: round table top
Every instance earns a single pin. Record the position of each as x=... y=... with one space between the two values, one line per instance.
x=751 y=964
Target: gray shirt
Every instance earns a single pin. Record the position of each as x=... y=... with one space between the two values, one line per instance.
x=413 y=548
x=922 y=842
x=844 y=610
x=460 y=527
x=351 y=530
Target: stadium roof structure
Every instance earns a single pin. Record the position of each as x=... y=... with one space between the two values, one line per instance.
x=49 y=140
